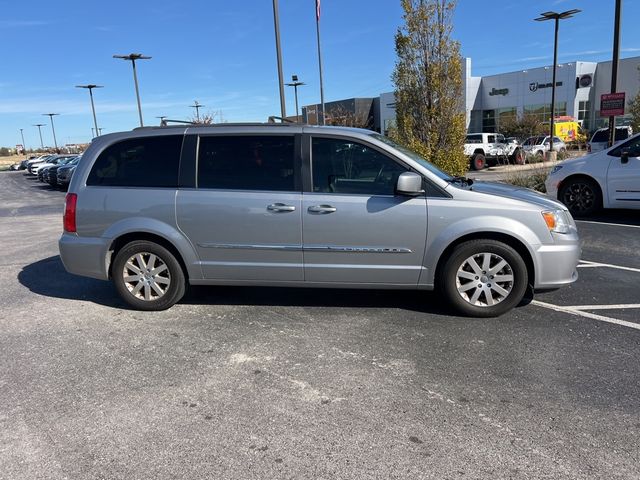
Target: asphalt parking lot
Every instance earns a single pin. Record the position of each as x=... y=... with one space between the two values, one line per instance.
x=255 y=383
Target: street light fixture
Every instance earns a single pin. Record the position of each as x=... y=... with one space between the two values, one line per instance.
x=132 y=57
x=197 y=106
x=162 y=117
x=53 y=129
x=24 y=146
x=295 y=84
x=556 y=17
x=90 y=87
x=40 y=125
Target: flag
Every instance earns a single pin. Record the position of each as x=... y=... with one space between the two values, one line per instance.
x=318 y=10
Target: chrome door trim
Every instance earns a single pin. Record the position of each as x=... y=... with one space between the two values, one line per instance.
x=308 y=248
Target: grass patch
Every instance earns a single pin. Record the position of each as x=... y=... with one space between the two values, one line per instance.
x=533 y=179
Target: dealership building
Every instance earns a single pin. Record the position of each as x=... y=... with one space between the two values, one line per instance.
x=579 y=86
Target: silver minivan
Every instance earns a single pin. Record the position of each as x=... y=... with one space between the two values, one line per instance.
x=159 y=208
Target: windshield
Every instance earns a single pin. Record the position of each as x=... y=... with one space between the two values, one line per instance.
x=414 y=156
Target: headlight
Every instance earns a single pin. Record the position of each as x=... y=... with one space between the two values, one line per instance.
x=557 y=221
x=556 y=169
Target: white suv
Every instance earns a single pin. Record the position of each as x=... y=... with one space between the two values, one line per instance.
x=600 y=138
x=540 y=144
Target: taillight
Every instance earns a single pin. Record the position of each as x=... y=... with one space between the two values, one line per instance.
x=69 y=221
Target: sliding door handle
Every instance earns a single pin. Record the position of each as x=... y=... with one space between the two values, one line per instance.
x=281 y=207
x=322 y=209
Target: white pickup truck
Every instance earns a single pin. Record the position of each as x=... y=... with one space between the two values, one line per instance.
x=482 y=148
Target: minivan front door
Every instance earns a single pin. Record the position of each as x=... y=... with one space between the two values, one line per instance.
x=244 y=216
x=623 y=177
x=355 y=229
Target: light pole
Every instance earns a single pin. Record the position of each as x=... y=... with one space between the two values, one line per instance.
x=133 y=57
x=24 y=146
x=40 y=125
x=276 y=26
x=197 y=106
x=614 y=66
x=53 y=129
x=295 y=84
x=162 y=117
x=90 y=87
x=557 y=17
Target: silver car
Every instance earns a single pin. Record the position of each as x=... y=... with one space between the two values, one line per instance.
x=158 y=208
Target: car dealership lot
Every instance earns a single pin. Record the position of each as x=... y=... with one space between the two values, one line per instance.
x=295 y=383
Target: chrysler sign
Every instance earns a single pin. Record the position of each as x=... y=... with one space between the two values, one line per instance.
x=535 y=86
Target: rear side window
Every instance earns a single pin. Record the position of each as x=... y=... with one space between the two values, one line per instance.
x=474 y=139
x=600 y=136
x=139 y=162
x=247 y=163
x=622 y=134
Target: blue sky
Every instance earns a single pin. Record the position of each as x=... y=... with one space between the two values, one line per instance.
x=222 y=53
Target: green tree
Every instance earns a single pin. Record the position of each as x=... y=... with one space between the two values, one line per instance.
x=522 y=126
x=430 y=117
x=634 y=111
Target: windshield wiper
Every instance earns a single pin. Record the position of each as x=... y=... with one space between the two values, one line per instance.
x=462 y=180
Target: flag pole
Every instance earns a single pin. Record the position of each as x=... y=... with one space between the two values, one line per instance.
x=276 y=26
x=320 y=117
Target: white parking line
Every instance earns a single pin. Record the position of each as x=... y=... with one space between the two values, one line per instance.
x=591 y=316
x=620 y=306
x=588 y=264
x=611 y=224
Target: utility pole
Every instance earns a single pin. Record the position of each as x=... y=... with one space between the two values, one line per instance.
x=90 y=87
x=197 y=106
x=321 y=117
x=40 y=125
x=132 y=57
x=276 y=25
x=614 y=67
x=53 y=129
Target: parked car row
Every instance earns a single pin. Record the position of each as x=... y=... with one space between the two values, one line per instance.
x=56 y=170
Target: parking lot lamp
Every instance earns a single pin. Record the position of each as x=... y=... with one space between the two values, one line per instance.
x=295 y=84
x=24 y=146
x=53 y=129
x=557 y=17
x=132 y=57
x=40 y=125
x=90 y=87
x=162 y=117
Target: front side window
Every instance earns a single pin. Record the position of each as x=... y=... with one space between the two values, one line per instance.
x=263 y=163
x=343 y=166
x=632 y=146
x=139 y=162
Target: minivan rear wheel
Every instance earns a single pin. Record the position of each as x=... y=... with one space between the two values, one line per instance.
x=148 y=276
x=484 y=278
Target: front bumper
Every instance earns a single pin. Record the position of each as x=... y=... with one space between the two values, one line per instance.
x=556 y=264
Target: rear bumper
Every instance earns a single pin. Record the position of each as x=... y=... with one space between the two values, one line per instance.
x=84 y=256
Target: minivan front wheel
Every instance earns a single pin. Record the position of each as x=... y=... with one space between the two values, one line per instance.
x=484 y=278
x=147 y=276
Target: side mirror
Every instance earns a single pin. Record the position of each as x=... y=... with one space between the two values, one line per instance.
x=409 y=184
x=624 y=155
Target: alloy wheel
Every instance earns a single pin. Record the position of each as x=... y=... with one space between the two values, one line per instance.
x=146 y=276
x=484 y=279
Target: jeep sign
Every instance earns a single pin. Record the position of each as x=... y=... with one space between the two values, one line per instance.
x=499 y=91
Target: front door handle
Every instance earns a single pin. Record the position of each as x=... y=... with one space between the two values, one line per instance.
x=281 y=207
x=322 y=209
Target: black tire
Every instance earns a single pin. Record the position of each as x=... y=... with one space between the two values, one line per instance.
x=519 y=158
x=478 y=161
x=171 y=283
x=505 y=293
x=581 y=195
